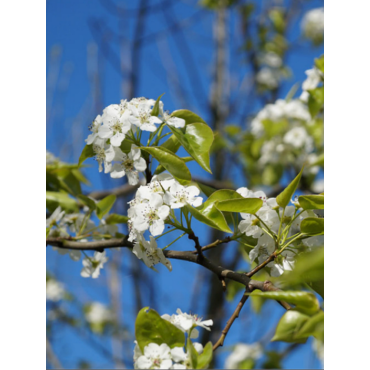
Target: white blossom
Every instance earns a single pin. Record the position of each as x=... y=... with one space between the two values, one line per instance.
x=178 y=196
x=173 y=121
x=104 y=153
x=243 y=352
x=142 y=118
x=313 y=24
x=268 y=77
x=98 y=313
x=151 y=215
x=298 y=138
x=155 y=357
x=115 y=128
x=129 y=164
x=94 y=128
x=93 y=265
x=54 y=290
x=55 y=217
x=149 y=252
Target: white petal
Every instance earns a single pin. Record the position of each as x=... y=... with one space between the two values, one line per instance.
x=118 y=171
x=117 y=139
x=105 y=132
x=140 y=165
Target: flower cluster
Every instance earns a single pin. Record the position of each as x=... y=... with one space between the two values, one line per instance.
x=119 y=122
x=313 y=25
x=162 y=356
x=97 y=313
x=243 y=352
x=60 y=224
x=152 y=206
x=265 y=225
x=287 y=129
x=54 y=290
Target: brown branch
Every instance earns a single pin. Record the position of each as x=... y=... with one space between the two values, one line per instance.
x=261 y=266
x=120 y=191
x=214 y=244
x=233 y=317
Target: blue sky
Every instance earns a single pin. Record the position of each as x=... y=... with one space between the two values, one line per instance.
x=71 y=26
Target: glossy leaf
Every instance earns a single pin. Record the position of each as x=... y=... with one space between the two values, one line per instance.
x=171 y=162
x=224 y=194
x=319 y=63
x=211 y=216
x=205 y=358
x=87 y=201
x=246 y=205
x=289 y=325
x=312 y=226
x=193 y=354
x=197 y=141
x=187 y=115
x=104 y=206
x=87 y=152
x=313 y=326
x=55 y=199
x=151 y=328
x=311 y=201
x=286 y=195
x=114 y=218
x=172 y=144
x=316 y=100
x=304 y=301
x=155 y=110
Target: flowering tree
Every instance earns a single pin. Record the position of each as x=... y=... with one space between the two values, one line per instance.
x=277 y=229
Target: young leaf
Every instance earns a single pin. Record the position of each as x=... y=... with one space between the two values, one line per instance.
x=155 y=110
x=311 y=201
x=171 y=162
x=87 y=152
x=313 y=326
x=114 y=218
x=286 y=195
x=55 y=199
x=197 y=141
x=151 y=328
x=205 y=358
x=211 y=216
x=312 y=226
x=246 y=205
x=104 y=206
x=304 y=301
x=87 y=201
x=187 y=115
x=289 y=325
x=193 y=354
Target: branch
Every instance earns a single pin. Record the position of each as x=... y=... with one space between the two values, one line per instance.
x=261 y=266
x=120 y=191
x=233 y=317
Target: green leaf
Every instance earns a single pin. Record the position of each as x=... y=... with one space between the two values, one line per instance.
x=224 y=194
x=311 y=201
x=286 y=195
x=246 y=205
x=171 y=162
x=304 y=301
x=155 y=110
x=193 y=354
x=87 y=152
x=114 y=218
x=319 y=63
x=211 y=216
x=69 y=180
x=205 y=358
x=172 y=144
x=104 y=206
x=197 y=141
x=316 y=100
x=312 y=226
x=207 y=190
x=151 y=328
x=313 y=326
x=87 y=201
x=55 y=199
x=289 y=325
x=187 y=115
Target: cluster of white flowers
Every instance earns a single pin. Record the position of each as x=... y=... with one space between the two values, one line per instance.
x=162 y=356
x=149 y=210
x=314 y=77
x=63 y=225
x=98 y=313
x=270 y=74
x=270 y=214
x=313 y=24
x=54 y=290
x=243 y=352
x=119 y=121
x=292 y=144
